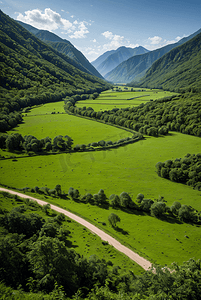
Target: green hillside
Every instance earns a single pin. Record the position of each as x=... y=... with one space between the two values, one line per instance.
x=135 y=67
x=34 y=73
x=62 y=46
x=178 y=70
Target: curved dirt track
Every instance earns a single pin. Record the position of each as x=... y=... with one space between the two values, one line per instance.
x=145 y=264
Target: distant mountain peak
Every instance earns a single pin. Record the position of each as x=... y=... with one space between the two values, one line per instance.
x=110 y=59
x=135 y=67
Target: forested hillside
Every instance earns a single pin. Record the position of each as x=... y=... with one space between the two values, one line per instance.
x=135 y=67
x=62 y=46
x=178 y=70
x=119 y=55
x=34 y=73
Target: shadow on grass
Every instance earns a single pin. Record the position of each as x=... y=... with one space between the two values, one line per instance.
x=170 y=219
x=69 y=244
x=121 y=230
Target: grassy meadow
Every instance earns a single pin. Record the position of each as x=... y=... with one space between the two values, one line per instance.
x=130 y=168
x=110 y=99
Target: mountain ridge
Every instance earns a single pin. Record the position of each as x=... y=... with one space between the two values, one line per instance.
x=135 y=67
x=178 y=70
x=116 y=57
x=63 y=46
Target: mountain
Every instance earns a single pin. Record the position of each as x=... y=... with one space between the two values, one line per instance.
x=179 y=69
x=63 y=46
x=135 y=67
x=118 y=56
x=33 y=73
x=101 y=58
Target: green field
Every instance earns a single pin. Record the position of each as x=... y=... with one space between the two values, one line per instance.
x=110 y=99
x=130 y=168
x=82 y=131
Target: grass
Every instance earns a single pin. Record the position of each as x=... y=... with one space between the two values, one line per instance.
x=82 y=131
x=130 y=168
x=110 y=99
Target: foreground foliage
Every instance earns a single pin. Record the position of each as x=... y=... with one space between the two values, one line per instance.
x=37 y=263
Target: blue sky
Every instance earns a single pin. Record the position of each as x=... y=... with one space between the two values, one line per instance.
x=96 y=26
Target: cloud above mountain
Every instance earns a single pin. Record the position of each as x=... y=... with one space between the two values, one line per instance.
x=51 y=20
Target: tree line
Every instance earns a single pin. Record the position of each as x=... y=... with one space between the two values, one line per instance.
x=186 y=170
x=155 y=208
x=38 y=261
x=17 y=143
x=154 y=118
x=29 y=143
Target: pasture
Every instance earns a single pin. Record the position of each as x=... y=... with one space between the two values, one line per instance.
x=110 y=99
x=130 y=168
x=82 y=131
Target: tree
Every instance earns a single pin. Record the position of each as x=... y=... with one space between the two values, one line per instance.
x=186 y=213
x=115 y=201
x=113 y=219
x=73 y=193
x=157 y=209
x=58 y=189
x=125 y=199
x=140 y=197
x=152 y=131
x=51 y=262
x=146 y=204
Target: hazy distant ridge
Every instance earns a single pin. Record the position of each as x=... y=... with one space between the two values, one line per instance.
x=109 y=60
x=135 y=67
x=178 y=70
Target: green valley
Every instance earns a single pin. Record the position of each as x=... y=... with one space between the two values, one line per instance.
x=102 y=151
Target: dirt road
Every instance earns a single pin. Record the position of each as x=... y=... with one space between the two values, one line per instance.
x=145 y=264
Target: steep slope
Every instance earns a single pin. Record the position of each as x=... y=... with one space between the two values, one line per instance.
x=62 y=46
x=135 y=67
x=120 y=55
x=34 y=73
x=179 y=69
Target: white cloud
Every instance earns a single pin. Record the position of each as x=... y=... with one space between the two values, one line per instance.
x=178 y=38
x=94 y=41
x=49 y=19
x=155 y=40
x=81 y=32
x=115 y=40
x=108 y=35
